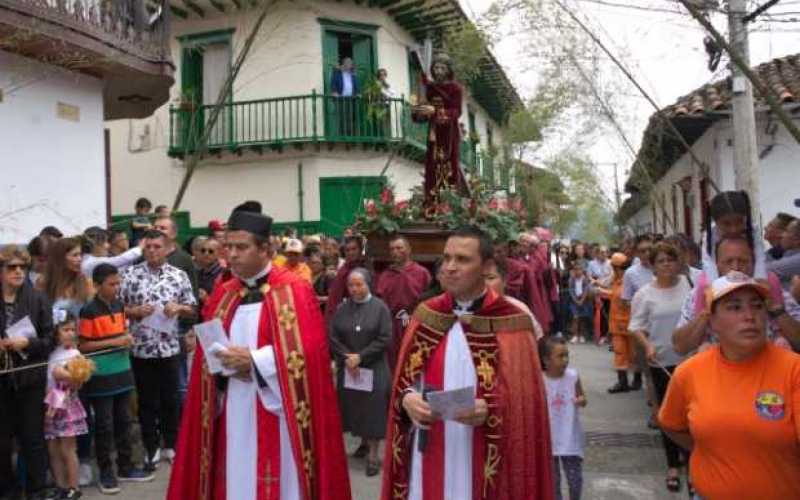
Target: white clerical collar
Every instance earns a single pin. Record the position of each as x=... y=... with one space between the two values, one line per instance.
x=469 y=306
x=251 y=281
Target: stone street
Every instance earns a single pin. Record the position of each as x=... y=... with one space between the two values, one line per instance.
x=624 y=459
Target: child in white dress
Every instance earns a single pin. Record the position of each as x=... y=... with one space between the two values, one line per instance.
x=564 y=396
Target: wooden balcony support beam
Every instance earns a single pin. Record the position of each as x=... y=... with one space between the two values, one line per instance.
x=217 y=5
x=191 y=5
x=177 y=11
x=394 y=11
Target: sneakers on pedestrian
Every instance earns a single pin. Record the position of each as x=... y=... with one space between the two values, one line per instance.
x=85 y=474
x=134 y=475
x=168 y=454
x=151 y=462
x=54 y=494
x=108 y=484
x=71 y=494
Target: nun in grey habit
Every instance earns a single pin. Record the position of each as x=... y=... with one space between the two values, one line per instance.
x=359 y=336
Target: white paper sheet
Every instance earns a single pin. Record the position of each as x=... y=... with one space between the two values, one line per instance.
x=212 y=337
x=361 y=383
x=159 y=321
x=448 y=404
x=22 y=329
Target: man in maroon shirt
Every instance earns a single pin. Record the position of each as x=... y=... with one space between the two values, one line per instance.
x=539 y=267
x=400 y=286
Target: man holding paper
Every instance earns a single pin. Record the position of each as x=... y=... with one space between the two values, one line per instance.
x=155 y=294
x=270 y=428
x=493 y=445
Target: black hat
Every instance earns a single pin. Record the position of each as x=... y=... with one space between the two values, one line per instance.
x=249 y=206
x=51 y=231
x=256 y=223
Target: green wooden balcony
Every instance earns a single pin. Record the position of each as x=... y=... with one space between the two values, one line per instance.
x=296 y=120
x=313 y=119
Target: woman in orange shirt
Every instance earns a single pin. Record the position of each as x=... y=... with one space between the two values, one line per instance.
x=735 y=405
x=618 y=318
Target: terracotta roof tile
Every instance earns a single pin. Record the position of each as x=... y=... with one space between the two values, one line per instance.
x=782 y=75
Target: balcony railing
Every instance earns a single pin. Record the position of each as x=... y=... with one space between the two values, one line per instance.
x=137 y=26
x=313 y=118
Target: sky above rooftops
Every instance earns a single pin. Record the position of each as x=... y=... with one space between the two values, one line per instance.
x=662 y=45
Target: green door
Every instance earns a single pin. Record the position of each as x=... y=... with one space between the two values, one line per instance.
x=330 y=60
x=341 y=200
x=364 y=125
x=191 y=118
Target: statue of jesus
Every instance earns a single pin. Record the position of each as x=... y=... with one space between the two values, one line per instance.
x=442 y=111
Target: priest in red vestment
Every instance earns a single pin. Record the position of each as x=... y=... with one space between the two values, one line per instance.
x=267 y=427
x=468 y=337
x=442 y=111
x=353 y=258
x=400 y=287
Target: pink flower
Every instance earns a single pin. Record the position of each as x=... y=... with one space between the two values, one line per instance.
x=400 y=206
x=443 y=208
x=387 y=196
x=494 y=204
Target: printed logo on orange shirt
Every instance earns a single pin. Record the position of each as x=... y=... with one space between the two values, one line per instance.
x=770 y=405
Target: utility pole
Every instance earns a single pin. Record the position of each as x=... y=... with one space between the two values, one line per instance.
x=745 y=155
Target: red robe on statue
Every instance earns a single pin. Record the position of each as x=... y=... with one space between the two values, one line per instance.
x=442 y=164
x=400 y=289
x=291 y=323
x=511 y=451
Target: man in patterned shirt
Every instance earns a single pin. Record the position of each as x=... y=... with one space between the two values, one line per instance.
x=155 y=295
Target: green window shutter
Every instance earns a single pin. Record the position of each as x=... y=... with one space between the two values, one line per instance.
x=362 y=58
x=505 y=178
x=330 y=57
x=192 y=74
x=190 y=121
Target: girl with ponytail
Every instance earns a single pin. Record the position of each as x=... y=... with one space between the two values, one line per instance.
x=731 y=215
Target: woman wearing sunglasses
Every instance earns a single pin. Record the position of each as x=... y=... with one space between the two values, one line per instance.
x=22 y=392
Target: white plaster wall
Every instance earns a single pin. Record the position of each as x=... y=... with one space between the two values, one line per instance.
x=217 y=188
x=52 y=170
x=778 y=169
x=286 y=60
x=778 y=172
x=705 y=148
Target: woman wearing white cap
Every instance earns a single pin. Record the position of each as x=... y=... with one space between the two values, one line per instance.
x=735 y=405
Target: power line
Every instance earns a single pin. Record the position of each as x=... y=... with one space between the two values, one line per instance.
x=759 y=11
x=633 y=7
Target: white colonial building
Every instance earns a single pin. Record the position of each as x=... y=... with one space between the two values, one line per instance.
x=675 y=202
x=65 y=68
x=280 y=137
